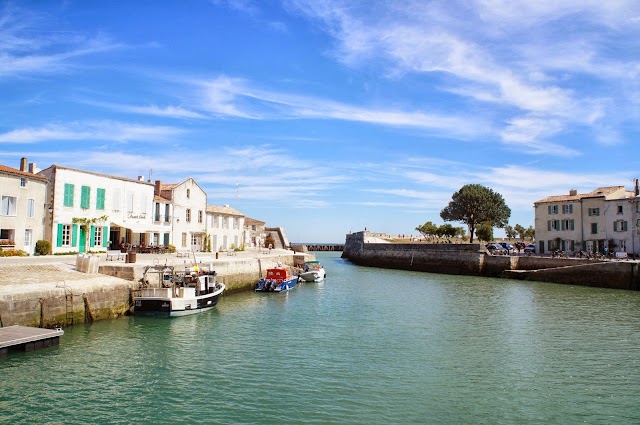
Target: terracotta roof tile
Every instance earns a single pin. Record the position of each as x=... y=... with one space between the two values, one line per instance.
x=15 y=171
x=598 y=193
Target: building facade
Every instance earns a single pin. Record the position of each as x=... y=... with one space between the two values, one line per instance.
x=225 y=228
x=92 y=212
x=597 y=221
x=23 y=208
x=255 y=233
x=188 y=205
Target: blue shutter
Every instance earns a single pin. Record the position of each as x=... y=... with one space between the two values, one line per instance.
x=105 y=232
x=92 y=235
x=74 y=234
x=59 y=240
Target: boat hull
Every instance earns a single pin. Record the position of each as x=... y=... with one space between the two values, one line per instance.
x=176 y=306
x=267 y=286
x=313 y=276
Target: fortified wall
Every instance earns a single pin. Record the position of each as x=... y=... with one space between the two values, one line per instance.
x=475 y=260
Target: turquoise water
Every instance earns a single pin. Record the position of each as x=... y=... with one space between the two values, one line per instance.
x=367 y=346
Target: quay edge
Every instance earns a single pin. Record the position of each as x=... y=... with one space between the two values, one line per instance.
x=474 y=260
x=44 y=299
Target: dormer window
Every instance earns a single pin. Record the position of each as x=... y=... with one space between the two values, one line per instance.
x=619 y=209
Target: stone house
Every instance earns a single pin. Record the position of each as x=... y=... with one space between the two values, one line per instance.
x=24 y=206
x=255 y=232
x=187 y=205
x=225 y=228
x=115 y=210
x=597 y=221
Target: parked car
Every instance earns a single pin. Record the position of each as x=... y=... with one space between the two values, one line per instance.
x=496 y=248
x=530 y=249
x=507 y=246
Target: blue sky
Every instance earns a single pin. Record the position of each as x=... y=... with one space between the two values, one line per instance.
x=328 y=116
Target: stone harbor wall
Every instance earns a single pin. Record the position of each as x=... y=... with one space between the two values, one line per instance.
x=473 y=259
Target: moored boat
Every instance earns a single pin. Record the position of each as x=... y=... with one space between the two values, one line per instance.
x=278 y=279
x=312 y=271
x=176 y=294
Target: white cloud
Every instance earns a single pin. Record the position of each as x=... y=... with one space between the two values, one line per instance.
x=88 y=131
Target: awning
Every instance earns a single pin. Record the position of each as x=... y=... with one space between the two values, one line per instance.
x=142 y=227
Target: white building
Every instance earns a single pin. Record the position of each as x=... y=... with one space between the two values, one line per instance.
x=225 y=228
x=23 y=207
x=188 y=204
x=94 y=212
x=597 y=221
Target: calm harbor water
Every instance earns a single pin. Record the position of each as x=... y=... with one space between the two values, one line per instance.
x=367 y=346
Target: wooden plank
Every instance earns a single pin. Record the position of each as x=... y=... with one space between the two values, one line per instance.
x=17 y=335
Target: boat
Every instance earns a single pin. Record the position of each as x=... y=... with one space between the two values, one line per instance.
x=312 y=271
x=175 y=293
x=278 y=279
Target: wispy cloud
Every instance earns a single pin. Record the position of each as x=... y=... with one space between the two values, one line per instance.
x=93 y=130
x=27 y=46
x=237 y=98
x=153 y=110
x=526 y=59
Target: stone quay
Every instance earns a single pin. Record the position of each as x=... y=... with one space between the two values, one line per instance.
x=51 y=291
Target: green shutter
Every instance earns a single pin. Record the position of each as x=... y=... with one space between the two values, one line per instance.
x=100 y=199
x=166 y=239
x=84 y=197
x=59 y=240
x=105 y=232
x=68 y=195
x=74 y=234
x=92 y=236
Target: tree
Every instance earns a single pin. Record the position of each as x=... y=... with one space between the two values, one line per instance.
x=510 y=232
x=427 y=230
x=520 y=230
x=484 y=232
x=474 y=204
x=530 y=233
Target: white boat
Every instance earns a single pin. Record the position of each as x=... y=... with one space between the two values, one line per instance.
x=176 y=294
x=312 y=272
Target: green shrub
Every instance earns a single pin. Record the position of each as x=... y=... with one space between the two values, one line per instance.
x=171 y=248
x=13 y=253
x=43 y=247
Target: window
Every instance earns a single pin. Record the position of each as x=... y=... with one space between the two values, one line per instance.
x=85 y=194
x=9 y=206
x=567 y=209
x=116 y=200
x=97 y=236
x=188 y=193
x=31 y=207
x=130 y=202
x=184 y=240
x=619 y=209
x=23 y=182
x=594 y=212
x=567 y=225
x=167 y=216
x=188 y=215
x=199 y=216
x=68 y=195
x=553 y=225
x=620 y=226
x=553 y=209
x=594 y=228
x=66 y=235
x=100 y=199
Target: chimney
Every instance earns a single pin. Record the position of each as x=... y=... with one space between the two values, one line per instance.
x=156 y=187
x=140 y=178
x=23 y=164
x=32 y=168
x=573 y=192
